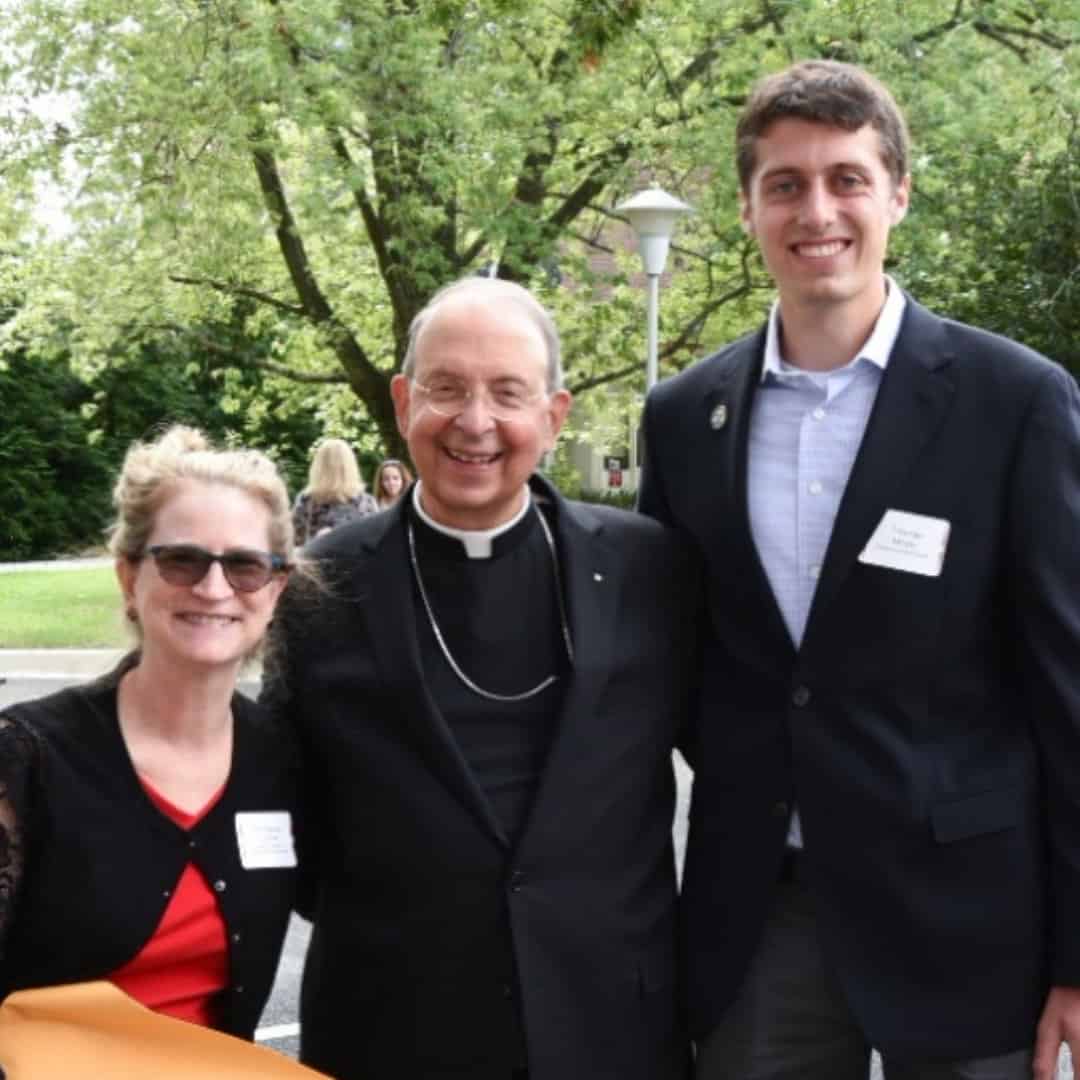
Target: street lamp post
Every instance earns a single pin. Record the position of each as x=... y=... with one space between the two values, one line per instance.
x=653 y=214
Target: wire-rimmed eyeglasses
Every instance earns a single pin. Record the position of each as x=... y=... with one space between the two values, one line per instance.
x=509 y=400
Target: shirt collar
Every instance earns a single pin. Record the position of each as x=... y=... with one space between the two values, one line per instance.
x=477 y=542
x=877 y=347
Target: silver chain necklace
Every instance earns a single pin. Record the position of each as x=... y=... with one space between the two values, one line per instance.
x=454 y=666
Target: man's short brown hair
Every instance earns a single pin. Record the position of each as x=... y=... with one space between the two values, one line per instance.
x=823 y=92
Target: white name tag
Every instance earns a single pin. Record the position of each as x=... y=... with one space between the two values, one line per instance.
x=265 y=839
x=911 y=542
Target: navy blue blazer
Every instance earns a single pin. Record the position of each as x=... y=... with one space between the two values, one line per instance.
x=928 y=728
x=429 y=925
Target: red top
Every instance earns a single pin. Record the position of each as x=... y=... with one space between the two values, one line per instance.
x=185 y=964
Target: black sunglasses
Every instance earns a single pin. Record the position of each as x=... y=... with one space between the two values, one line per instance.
x=187 y=564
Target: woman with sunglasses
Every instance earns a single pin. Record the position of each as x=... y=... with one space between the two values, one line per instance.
x=146 y=818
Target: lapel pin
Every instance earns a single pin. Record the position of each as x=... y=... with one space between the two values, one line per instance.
x=718 y=417
x=597 y=576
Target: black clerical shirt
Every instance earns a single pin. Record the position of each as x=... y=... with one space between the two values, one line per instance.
x=500 y=620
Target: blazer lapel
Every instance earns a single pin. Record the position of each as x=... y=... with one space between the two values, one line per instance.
x=590 y=582
x=911 y=405
x=389 y=614
x=728 y=538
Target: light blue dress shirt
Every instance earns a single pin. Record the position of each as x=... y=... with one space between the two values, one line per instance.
x=805 y=431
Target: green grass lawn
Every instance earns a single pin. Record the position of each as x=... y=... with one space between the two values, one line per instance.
x=62 y=609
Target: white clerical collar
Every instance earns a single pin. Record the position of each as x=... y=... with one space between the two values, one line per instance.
x=477 y=542
x=877 y=347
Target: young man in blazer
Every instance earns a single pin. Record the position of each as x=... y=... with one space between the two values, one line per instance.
x=884 y=844
x=487 y=696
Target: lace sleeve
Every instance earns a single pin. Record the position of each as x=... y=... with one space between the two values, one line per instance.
x=301 y=520
x=17 y=752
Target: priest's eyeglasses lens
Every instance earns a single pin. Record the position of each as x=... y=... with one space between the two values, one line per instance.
x=244 y=569
x=508 y=400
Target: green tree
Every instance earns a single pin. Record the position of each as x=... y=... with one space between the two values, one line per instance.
x=64 y=437
x=308 y=173
x=55 y=492
x=139 y=393
x=1006 y=253
x=65 y=433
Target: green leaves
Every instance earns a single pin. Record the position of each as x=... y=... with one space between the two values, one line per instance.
x=413 y=141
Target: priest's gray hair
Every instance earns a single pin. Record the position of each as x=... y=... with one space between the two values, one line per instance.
x=493 y=291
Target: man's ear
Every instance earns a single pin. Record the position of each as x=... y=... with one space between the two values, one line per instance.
x=901 y=197
x=745 y=217
x=400 y=391
x=558 y=407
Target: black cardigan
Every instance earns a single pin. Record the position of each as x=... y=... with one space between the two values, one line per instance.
x=101 y=861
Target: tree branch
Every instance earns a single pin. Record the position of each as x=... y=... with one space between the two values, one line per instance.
x=951 y=23
x=404 y=301
x=238 y=290
x=700 y=65
x=690 y=331
x=600 y=380
x=686 y=336
x=607 y=161
x=290 y=243
x=327 y=378
x=1003 y=34
x=369 y=383
x=250 y=360
x=995 y=34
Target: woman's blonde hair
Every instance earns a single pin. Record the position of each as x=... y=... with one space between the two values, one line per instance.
x=152 y=470
x=334 y=475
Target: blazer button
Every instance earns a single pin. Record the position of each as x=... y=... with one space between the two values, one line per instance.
x=517 y=879
x=800 y=696
x=219 y=885
x=236 y=938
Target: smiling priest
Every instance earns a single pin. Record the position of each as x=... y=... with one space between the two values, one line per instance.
x=487 y=700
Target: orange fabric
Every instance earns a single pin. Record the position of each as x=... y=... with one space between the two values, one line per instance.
x=185 y=964
x=91 y=1031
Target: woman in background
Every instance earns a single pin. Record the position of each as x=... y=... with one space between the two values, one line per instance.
x=334 y=493
x=146 y=817
x=391 y=480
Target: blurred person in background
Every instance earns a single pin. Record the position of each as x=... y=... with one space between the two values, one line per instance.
x=334 y=494
x=391 y=479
